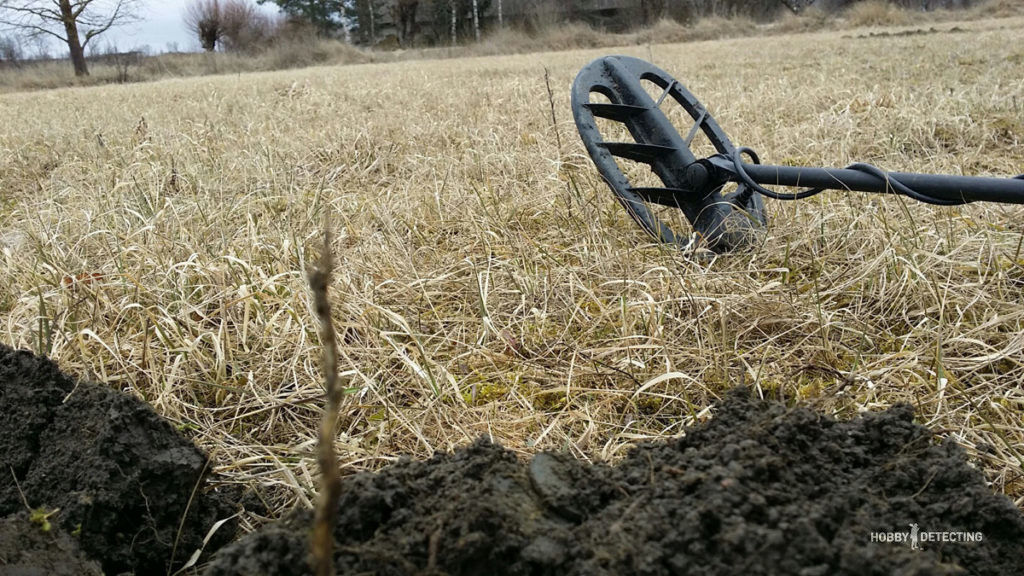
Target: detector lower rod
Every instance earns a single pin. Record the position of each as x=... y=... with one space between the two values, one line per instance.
x=964 y=188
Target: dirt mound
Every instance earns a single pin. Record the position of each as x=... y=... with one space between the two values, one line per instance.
x=760 y=489
x=117 y=475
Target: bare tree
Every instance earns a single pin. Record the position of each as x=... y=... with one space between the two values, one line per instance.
x=244 y=27
x=204 y=19
x=66 y=20
x=235 y=25
x=122 y=62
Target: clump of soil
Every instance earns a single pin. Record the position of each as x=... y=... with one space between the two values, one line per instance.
x=30 y=548
x=759 y=489
x=118 y=479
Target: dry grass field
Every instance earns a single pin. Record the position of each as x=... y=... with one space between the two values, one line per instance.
x=156 y=237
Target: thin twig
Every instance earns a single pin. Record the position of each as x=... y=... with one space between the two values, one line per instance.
x=558 y=138
x=18 y=486
x=554 y=119
x=327 y=503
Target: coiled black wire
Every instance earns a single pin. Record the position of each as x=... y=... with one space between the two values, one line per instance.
x=891 y=184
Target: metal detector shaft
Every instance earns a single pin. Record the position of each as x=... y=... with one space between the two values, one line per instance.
x=962 y=188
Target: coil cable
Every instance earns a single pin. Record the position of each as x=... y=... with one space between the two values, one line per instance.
x=892 y=185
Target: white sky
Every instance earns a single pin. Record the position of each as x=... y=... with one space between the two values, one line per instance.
x=161 y=24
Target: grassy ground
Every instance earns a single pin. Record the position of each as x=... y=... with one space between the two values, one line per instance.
x=156 y=237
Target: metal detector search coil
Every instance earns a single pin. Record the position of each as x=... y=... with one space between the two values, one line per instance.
x=695 y=185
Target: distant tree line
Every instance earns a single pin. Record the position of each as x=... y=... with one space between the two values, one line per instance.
x=237 y=25
x=433 y=22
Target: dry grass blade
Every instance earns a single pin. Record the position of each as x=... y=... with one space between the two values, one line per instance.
x=327 y=502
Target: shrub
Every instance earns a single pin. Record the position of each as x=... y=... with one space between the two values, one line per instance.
x=10 y=51
x=875 y=13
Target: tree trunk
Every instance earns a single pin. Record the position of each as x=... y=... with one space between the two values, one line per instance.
x=454 y=38
x=373 y=23
x=476 y=21
x=501 y=22
x=74 y=43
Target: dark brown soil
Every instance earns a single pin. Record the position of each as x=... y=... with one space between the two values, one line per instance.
x=760 y=489
x=27 y=548
x=127 y=489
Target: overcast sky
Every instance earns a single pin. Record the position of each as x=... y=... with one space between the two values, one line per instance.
x=161 y=25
